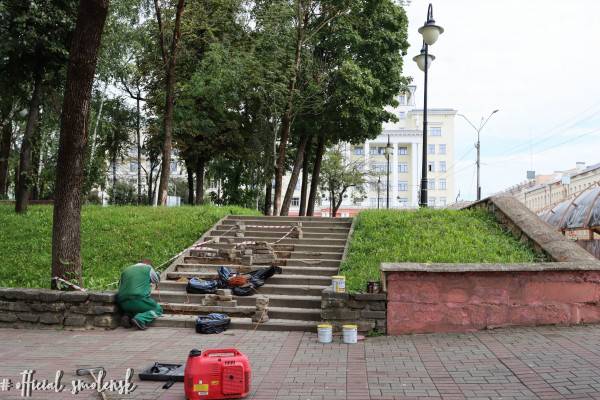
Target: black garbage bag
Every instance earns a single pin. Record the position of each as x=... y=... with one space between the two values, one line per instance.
x=224 y=275
x=199 y=286
x=265 y=273
x=212 y=323
x=243 y=290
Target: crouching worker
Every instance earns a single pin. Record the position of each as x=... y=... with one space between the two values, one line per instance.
x=134 y=295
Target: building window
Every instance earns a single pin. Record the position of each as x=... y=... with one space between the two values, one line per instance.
x=133 y=166
x=435 y=131
x=431 y=149
x=402 y=151
x=173 y=166
x=442 y=185
x=431 y=166
x=442 y=202
x=402 y=100
x=403 y=201
x=403 y=186
x=380 y=168
x=431 y=201
x=402 y=115
x=381 y=151
x=442 y=149
x=295 y=202
x=442 y=166
x=431 y=184
x=359 y=151
x=403 y=167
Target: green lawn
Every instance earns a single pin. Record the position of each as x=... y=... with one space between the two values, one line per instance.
x=427 y=236
x=112 y=238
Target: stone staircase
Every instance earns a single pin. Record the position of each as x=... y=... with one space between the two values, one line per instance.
x=308 y=263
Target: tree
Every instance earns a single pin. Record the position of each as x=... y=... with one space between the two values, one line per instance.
x=339 y=175
x=83 y=56
x=169 y=60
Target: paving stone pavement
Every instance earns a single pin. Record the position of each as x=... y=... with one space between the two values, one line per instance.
x=523 y=363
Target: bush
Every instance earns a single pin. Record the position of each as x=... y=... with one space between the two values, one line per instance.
x=122 y=194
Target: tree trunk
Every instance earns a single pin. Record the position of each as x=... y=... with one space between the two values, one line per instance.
x=190 y=183
x=286 y=120
x=5 y=143
x=66 y=235
x=289 y=193
x=305 y=166
x=315 y=176
x=268 y=197
x=139 y=150
x=150 y=187
x=29 y=139
x=200 y=181
x=170 y=61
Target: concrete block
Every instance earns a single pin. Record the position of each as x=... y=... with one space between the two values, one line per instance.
x=225 y=298
x=106 y=321
x=28 y=317
x=75 y=320
x=232 y=303
x=108 y=309
x=377 y=306
x=51 y=307
x=74 y=297
x=223 y=292
x=369 y=296
x=103 y=297
x=8 y=316
x=373 y=314
x=49 y=296
x=51 y=318
x=340 y=314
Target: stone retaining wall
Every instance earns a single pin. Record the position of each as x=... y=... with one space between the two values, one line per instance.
x=529 y=228
x=39 y=308
x=366 y=310
x=425 y=298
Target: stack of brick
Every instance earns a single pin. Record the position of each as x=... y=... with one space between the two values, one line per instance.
x=225 y=298
x=261 y=313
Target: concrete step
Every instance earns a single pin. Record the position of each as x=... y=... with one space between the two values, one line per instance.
x=301 y=262
x=283 y=279
x=305 y=255
x=189 y=321
x=287 y=270
x=325 y=223
x=286 y=218
x=285 y=247
x=260 y=235
x=275 y=300
x=282 y=229
x=268 y=288
x=303 y=314
x=288 y=241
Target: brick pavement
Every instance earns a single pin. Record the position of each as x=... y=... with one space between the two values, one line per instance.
x=524 y=363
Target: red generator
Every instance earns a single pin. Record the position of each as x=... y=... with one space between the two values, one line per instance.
x=216 y=374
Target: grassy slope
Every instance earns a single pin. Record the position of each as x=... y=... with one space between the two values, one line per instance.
x=112 y=238
x=427 y=236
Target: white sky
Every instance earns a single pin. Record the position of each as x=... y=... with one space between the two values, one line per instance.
x=535 y=60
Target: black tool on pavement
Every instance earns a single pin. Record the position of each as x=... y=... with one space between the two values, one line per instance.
x=163 y=372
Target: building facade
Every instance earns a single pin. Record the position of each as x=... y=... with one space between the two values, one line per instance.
x=405 y=138
x=545 y=191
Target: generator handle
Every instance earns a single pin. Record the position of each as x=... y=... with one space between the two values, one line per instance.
x=233 y=351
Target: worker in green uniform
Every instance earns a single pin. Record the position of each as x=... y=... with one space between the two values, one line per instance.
x=134 y=295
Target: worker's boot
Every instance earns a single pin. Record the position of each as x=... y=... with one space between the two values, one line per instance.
x=126 y=321
x=138 y=324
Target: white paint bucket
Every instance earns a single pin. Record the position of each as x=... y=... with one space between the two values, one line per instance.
x=339 y=283
x=350 y=334
x=325 y=333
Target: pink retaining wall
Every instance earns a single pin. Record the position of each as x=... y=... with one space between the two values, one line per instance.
x=420 y=302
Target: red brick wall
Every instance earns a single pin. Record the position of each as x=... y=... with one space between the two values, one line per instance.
x=420 y=302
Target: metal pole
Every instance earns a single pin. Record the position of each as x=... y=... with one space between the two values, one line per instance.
x=378 y=190
x=478 y=168
x=387 y=154
x=423 y=202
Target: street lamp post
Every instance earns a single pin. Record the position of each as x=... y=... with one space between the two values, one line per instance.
x=478 y=147
x=378 y=190
x=388 y=153
x=430 y=32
